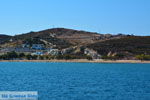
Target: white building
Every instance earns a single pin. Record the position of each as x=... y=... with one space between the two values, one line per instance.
x=38 y=46
x=25 y=45
x=37 y=53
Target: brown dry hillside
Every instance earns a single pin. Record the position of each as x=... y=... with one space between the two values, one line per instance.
x=62 y=37
x=74 y=37
x=70 y=35
x=131 y=44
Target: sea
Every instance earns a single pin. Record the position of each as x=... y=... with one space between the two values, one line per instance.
x=77 y=81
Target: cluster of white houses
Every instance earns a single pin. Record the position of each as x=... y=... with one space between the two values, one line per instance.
x=34 y=46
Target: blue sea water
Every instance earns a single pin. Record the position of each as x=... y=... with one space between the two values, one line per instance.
x=77 y=81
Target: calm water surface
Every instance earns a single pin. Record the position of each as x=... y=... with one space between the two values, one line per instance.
x=77 y=81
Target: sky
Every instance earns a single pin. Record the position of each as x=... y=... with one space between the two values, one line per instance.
x=102 y=16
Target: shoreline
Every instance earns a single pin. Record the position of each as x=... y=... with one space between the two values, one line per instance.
x=81 y=61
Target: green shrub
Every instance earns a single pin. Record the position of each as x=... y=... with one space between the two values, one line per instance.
x=29 y=57
x=12 y=55
x=143 y=57
x=21 y=55
x=89 y=58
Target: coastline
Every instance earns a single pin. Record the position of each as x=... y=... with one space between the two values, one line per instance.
x=81 y=61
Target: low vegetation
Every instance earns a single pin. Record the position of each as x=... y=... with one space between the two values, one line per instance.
x=143 y=57
x=134 y=45
x=21 y=56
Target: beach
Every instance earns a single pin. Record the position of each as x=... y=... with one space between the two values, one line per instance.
x=81 y=60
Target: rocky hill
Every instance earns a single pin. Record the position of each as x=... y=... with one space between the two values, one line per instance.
x=129 y=46
x=62 y=37
x=72 y=36
x=71 y=41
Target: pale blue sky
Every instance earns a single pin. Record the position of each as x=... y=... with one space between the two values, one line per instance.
x=104 y=16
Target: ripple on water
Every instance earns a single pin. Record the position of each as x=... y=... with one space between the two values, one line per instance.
x=77 y=81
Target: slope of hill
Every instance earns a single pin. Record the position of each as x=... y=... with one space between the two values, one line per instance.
x=4 y=38
x=76 y=42
x=72 y=36
x=129 y=45
x=62 y=37
x=69 y=35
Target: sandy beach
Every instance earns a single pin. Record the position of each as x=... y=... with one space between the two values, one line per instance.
x=81 y=60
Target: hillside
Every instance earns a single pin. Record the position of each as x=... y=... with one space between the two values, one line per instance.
x=131 y=45
x=74 y=37
x=75 y=42
x=60 y=37
x=4 y=38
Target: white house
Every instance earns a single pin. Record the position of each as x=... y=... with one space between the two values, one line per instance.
x=38 y=46
x=37 y=53
x=25 y=45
